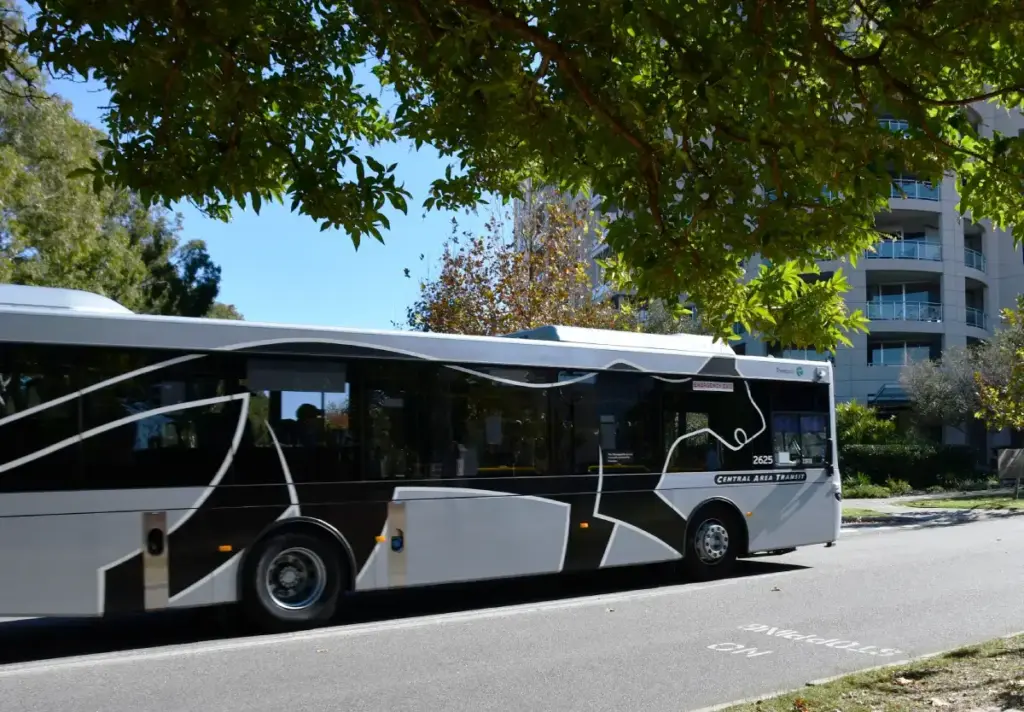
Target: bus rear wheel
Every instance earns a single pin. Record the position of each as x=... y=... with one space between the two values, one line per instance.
x=293 y=580
x=712 y=543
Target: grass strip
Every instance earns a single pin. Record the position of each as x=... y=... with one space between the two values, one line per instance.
x=983 y=677
x=1000 y=501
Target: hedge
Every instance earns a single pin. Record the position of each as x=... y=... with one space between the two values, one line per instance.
x=920 y=464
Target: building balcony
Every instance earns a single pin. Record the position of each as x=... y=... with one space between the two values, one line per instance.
x=928 y=250
x=601 y=292
x=977 y=318
x=904 y=311
x=913 y=189
x=895 y=125
x=974 y=259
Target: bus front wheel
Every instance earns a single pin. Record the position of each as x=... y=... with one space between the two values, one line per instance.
x=712 y=543
x=293 y=581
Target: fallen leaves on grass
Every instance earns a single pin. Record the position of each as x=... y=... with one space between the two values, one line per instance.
x=982 y=678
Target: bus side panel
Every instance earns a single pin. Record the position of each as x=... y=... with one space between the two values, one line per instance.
x=62 y=544
x=462 y=534
x=779 y=514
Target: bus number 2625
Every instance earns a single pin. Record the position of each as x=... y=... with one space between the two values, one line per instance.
x=764 y=459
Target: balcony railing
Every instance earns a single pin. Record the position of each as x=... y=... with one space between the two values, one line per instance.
x=916 y=189
x=974 y=259
x=976 y=317
x=904 y=311
x=930 y=250
x=600 y=292
x=896 y=125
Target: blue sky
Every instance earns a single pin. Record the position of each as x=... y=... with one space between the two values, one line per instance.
x=279 y=267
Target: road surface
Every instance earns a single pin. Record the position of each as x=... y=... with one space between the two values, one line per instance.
x=880 y=596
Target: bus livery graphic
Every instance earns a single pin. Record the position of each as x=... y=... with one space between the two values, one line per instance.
x=555 y=451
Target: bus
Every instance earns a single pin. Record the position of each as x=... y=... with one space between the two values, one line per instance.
x=153 y=462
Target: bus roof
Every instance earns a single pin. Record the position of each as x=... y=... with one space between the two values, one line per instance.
x=41 y=315
x=76 y=300
x=691 y=343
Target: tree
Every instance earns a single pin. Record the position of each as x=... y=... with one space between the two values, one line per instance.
x=56 y=231
x=948 y=390
x=224 y=311
x=943 y=391
x=717 y=130
x=1001 y=391
x=662 y=317
x=491 y=285
x=51 y=226
x=181 y=279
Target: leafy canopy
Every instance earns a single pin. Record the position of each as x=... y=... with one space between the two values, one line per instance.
x=1001 y=394
x=56 y=231
x=678 y=114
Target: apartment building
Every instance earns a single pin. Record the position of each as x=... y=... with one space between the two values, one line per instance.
x=941 y=281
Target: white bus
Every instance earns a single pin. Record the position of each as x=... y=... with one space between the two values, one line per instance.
x=151 y=462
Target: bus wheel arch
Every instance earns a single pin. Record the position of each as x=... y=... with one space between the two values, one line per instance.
x=720 y=521
x=300 y=547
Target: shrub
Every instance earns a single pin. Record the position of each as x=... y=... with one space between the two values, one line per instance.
x=920 y=465
x=936 y=489
x=858 y=424
x=866 y=492
x=898 y=488
x=859 y=486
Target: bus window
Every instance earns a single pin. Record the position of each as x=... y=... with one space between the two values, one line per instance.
x=615 y=412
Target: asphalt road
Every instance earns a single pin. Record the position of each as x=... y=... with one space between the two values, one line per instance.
x=880 y=596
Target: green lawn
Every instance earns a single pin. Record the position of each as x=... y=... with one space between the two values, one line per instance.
x=988 y=676
x=858 y=513
x=1002 y=501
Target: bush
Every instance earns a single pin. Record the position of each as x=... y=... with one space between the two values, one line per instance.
x=859 y=486
x=898 y=488
x=866 y=492
x=858 y=424
x=921 y=465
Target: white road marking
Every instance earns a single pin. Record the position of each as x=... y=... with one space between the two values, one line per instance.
x=813 y=638
x=193 y=649
x=738 y=649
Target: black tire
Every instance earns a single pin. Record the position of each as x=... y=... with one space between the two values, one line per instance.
x=314 y=603
x=702 y=533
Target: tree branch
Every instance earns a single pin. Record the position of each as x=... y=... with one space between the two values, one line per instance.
x=565 y=63
x=874 y=60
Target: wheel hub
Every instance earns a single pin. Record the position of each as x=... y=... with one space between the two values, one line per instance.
x=295 y=579
x=289 y=577
x=711 y=542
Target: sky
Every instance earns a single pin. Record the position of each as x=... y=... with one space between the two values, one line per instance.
x=278 y=267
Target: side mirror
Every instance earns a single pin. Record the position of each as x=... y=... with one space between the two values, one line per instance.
x=829 y=460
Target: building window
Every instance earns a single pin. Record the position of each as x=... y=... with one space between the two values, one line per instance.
x=899 y=353
x=806 y=355
x=904 y=302
x=800 y=354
